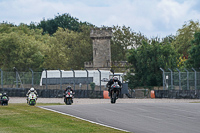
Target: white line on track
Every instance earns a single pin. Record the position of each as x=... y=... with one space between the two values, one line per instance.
x=83 y=119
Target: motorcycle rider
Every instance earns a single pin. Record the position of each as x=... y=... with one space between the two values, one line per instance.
x=68 y=88
x=111 y=82
x=29 y=91
x=4 y=94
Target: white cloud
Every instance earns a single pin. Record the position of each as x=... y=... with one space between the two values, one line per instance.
x=173 y=12
x=151 y=17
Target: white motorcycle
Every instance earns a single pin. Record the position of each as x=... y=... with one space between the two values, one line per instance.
x=32 y=98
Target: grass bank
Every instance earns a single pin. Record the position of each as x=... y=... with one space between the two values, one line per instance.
x=21 y=118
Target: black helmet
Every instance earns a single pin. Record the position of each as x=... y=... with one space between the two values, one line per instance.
x=115 y=79
x=4 y=94
x=68 y=87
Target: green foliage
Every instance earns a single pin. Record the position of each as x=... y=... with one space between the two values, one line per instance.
x=123 y=39
x=81 y=49
x=168 y=39
x=92 y=85
x=146 y=62
x=69 y=49
x=65 y=21
x=194 y=52
x=20 y=48
x=24 y=47
x=68 y=45
x=182 y=43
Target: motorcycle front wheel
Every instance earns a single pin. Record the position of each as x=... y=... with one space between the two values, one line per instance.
x=32 y=102
x=68 y=102
x=113 y=99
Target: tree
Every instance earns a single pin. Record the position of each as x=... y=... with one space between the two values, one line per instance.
x=56 y=57
x=69 y=49
x=182 y=43
x=20 y=47
x=123 y=39
x=194 y=52
x=65 y=21
x=19 y=51
x=81 y=49
x=146 y=61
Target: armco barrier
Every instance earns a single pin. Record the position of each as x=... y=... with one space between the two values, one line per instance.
x=57 y=93
x=52 y=93
x=177 y=94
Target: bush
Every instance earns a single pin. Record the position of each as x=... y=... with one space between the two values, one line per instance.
x=92 y=85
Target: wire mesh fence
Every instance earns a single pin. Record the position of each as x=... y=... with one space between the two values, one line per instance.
x=24 y=80
x=53 y=82
x=181 y=81
x=180 y=84
x=17 y=83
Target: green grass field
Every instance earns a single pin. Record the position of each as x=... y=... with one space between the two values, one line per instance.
x=22 y=118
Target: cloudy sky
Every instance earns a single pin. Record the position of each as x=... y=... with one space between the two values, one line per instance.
x=150 y=17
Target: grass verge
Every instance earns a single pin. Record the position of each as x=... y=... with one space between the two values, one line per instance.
x=21 y=118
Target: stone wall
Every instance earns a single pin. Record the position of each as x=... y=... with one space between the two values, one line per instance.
x=101 y=49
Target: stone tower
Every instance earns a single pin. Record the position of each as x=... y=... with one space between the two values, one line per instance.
x=101 y=49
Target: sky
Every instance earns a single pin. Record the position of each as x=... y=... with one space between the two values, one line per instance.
x=153 y=18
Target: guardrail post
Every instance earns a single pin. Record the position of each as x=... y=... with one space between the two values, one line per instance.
x=163 y=78
x=187 y=78
x=16 y=72
x=60 y=79
x=1 y=78
x=171 y=78
x=46 y=78
x=179 y=78
x=99 y=78
x=73 y=78
x=87 y=78
x=32 y=76
x=195 y=80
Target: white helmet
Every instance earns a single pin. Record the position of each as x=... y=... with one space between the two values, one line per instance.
x=32 y=89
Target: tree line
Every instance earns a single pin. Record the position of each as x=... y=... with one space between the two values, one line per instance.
x=64 y=42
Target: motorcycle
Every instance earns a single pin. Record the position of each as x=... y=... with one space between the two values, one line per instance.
x=68 y=97
x=4 y=100
x=115 y=90
x=32 y=99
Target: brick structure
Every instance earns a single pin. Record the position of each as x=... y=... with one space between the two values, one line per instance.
x=101 y=49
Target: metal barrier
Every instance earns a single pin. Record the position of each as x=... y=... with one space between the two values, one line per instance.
x=16 y=79
x=52 y=93
x=17 y=83
x=179 y=84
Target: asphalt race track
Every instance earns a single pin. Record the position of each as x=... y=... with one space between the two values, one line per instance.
x=138 y=117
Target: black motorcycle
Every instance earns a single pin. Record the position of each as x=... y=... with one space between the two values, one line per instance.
x=68 y=97
x=115 y=90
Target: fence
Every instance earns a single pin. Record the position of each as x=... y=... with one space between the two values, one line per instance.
x=180 y=84
x=34 y=79
x=17 y=83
